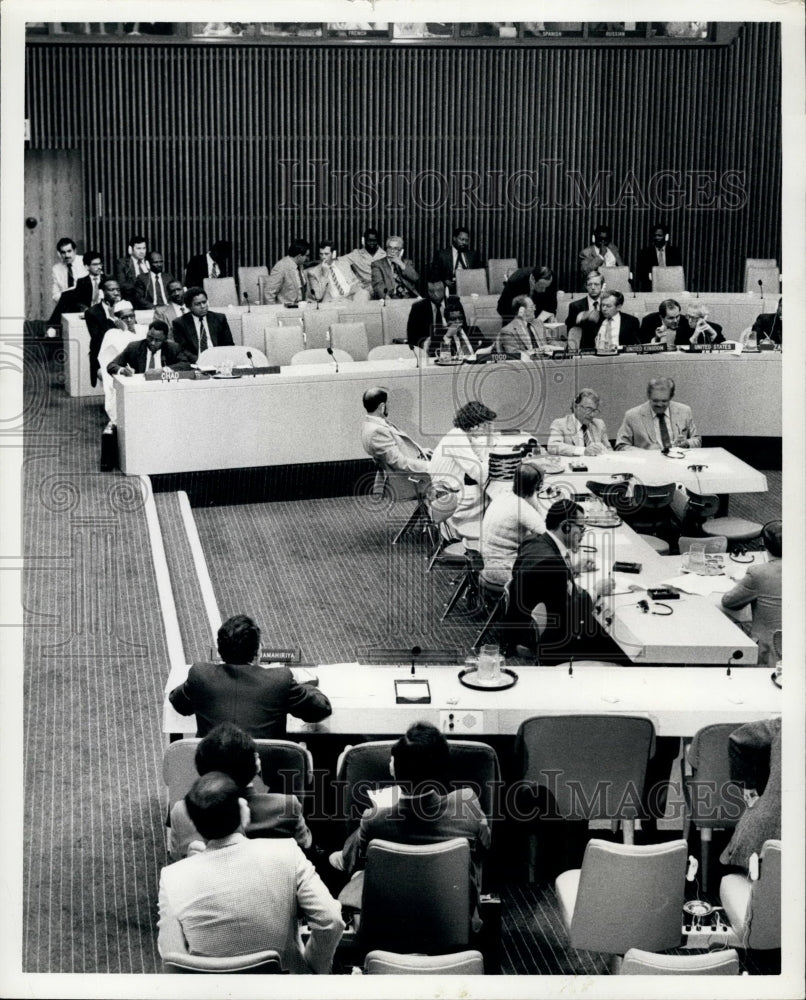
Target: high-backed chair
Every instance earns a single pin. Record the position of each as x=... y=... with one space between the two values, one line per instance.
x=712 y=544
x=498 y=270
x=395 y=319
x=762 y=276
x=248 y=283
x=484 y=315
x=320 y=356
x=416 y=897
x=753 y=907
x=710 y=963
x=255 y=321
x=625 y=896
x=368 y=313
x=617 y=279
x=713 y=800
x=701 y=509
x=259 y=962
x=236 y=353
x=388 y=963
x=592 y=766
x=349 y=337
x=283 y=343
x=471 y=281
x=668 y=279
x=390 y=352
x=221 y=292
x=317 y=323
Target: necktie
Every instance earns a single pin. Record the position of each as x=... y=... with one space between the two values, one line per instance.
x=662 y=257
x=302 y=283
x=664 y=432
x=203 y=342
x=438 y=315
x=338 y=282
x=586 y=438
x=460 y=260
x=150 y=364
x=595 y=304
x=70 y=279
x=532 y=337
x=159 y=295
x=94 y=292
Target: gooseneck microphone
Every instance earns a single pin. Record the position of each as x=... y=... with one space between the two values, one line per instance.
x=246 y=300
x=737 y=654
x=761 y=286
x=251 y=359
x=415 y=652
x=414 y=352
x=333 y=356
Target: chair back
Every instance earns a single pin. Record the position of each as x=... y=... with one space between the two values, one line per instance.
x=390 y=352
x=260 y=962
x=616 y=495
x=630 y=897
x=711 y=963
x=498 y=270
x=317 y=324
x=668 y=279
x=702 y=506
x=283 y=342
x=471 y=281
x=236 y=353
x=778 y=643
x=416 y=897
x=293 y=317
x=592 y=766
x=319 y=356
x=371 y=315
x=395 y=319
x=248 y=283
x=350 y=337
x=762 y=276
x=713 y=799
x=387 y=963
x=711 y=544
x=442 y=502
x=616 y=279
x=765 y=900
x=365 y=767
x=221 y=291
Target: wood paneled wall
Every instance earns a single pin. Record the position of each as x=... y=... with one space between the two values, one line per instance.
x=529 y=146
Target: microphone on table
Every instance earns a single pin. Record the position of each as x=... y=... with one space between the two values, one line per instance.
x=335 y=362
x=251 y=359
x=737 y=654
x=415 y=652
x=246 y=300
x=571 y=666
x=414 y=352
x=761 y=286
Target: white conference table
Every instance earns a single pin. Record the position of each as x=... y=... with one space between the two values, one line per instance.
x=677 y=700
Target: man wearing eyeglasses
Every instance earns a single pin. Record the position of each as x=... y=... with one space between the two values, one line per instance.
x=394 y=277
x=581 y=432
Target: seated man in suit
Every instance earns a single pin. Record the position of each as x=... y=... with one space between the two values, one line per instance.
x=703 y=332
x=85 y=292
x=151 y=288
x=583 y=309
x=212 y=264
x=545 y=573
x=770 y=326
x=666 y=326
x=175 y=306
x=230 y=750
x=362 y=258
x=394 y=277
x=129 y=268
x=538 y=283
x=287 y=282
x=153 y=353
x=67 y=270
x=333 y=279
x=426 y=314
x=199 y=329
x=659 y=253
x=241 y=896
x=458 y=255
x=761 y=589
x=456 y=339
x=100 y=318
x=521 y=337
x=601 y=253
x=391 y=448
x=660 y=422
x=581 y=432
x=242 y=691
x=612 y=328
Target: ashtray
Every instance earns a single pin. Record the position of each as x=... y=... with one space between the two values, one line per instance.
x=470 y=678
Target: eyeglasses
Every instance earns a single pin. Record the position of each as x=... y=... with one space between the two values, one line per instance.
x=588 y=409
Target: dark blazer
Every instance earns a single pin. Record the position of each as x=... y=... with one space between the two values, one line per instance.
x=184 y=332
x=629 y=330
x=574 y=309
x=82 y=293
x=647 y=259
x=135 y=356
x=651 y=322
x=142 y=290
x=253 y=697
x=518 y=284
x=74 y=300
x=441 y=267
x=97 y=324
x=765 y=323
x=196 y=271
x=421 y=321
x=126 y=276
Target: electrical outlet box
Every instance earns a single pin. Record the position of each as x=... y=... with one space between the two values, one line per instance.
x=461 y=721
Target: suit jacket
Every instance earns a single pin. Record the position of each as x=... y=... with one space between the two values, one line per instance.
x=589 y=259
x=318 y=278
x=97 y=324
x=770 y=324
x=441 y=267
x=638 y=426
x=126 y=276
x=651 y=322
x=391 y=448
x=385 y=277
x=749 y=746
x=563 y=433
x=142 y=290
x=168 y=314
x=514 y=337
x=575 y=308
x=761 y=588
x=283 y=282
x=421 y=321
x=518 y=284
x=242 y=896
x=253 y=697
x=629 y=330
x=135 y=355
x=184 y=333
x=648 y=258
x=83 y=290
x=196 y=271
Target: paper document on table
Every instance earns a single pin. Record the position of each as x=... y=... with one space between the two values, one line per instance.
x=690 y=583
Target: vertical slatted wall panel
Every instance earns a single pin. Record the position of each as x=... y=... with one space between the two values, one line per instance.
x=262 y=144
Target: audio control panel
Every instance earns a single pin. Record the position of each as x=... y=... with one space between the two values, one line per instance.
x=461 y=721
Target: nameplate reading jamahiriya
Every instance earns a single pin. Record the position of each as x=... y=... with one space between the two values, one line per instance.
x=270 y=654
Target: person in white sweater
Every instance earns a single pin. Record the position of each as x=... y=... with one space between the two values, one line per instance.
x=510 y=518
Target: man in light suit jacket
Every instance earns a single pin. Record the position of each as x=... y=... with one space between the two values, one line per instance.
x=287 y=282
x=392 y=449
x=458 y=255
x=393 y=277
x=521 y=337
x=155 y=352
x=333 y=279
x=581 y=432
x=659 y=423
x=601 y=253
x=199 y=329
x=761 y=589
x=241 y=896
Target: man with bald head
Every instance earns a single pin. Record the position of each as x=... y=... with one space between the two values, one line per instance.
x=392 y=449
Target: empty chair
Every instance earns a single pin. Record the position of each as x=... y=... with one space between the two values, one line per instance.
x=471 y=281
x=320 y=356
x=624 y=896
x=753 y=907
x=762 y=276
x=283 y=343
x=388 y=963
x=710 y=963
x=253 y=326
x=236 y=353
x=498 y=270
x=617 y=279
x=390 y=352
x=371 y=315
x=317 y=323
x=668 y=279
x=221 y=292
x=264 y=962
x=713 y=800
x=395 y=318
x=349 y=337
x=713 y=544
x=248 y=282
x=701 y=510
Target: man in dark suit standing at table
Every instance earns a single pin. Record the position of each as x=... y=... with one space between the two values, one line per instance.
x=241 y=691
x=458 y=255
x=153 y=353
x=660 y=253
x=212 y=264
x=199 y=329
